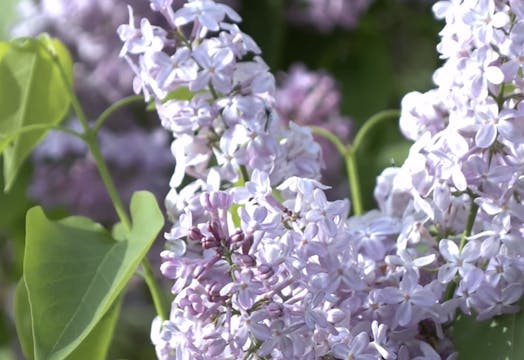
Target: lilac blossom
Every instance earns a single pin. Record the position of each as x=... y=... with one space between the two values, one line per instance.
x=466 y=132
x=264 y=265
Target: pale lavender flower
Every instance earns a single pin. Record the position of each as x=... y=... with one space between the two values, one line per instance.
x=464 y=141
x=460 y=262
x=356 y=349
x=492 y=301
x=413 y=299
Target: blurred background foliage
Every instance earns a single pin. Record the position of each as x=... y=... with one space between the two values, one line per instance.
x=389 y=53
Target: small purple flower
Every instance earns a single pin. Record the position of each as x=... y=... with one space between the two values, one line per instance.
x=412 y=299
x=461 y=262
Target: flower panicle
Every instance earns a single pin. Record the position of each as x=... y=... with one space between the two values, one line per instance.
x=264 y=265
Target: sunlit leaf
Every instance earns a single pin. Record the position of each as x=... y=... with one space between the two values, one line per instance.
x=75 y=269
x=94 y=346
x=32 y=91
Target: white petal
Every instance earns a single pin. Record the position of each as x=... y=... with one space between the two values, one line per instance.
x=494 y=75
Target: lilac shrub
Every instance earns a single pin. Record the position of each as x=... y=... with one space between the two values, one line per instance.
x=264 y=266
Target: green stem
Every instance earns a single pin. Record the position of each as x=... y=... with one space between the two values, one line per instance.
x=341 y=148
x=473 y=210
x=75 y=103
x=351 y=167
x=159 y=299
x=113 y=108
x=7 y=138
x=354 y=183
x=349 y=153
x=351 y=157
x=156 y=292
x=469 y=224
x=371 y=123
x=90 y=138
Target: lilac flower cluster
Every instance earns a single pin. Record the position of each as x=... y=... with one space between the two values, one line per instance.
x=228 y=122
x=465 y=170
x=312 y=98
x=264 y=266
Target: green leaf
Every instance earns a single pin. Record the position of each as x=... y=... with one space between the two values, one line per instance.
x=500 y=338
x=23 y=319
x=94 y=346
x=75 y=269
x=182 y=93
x=32 y=92
x=4 y=47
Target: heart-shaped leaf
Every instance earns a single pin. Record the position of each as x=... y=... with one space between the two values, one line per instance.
x=94 y=346
x=32 y=91
x=74 y=270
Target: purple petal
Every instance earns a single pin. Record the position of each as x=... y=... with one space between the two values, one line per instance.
x=404 y=313
x=470 y=252
x=446 y=273
x=512 y=293
x=390 y=295
x=448 y=249
x=423 y=298
x=244 y=299
x=486 y=136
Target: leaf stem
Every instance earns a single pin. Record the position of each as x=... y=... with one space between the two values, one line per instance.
x=161 y=305
x=349 y=153
x=351 y=166
x=94 y=148
x=371 y=123
x=473 y=210
x=351 y=157
x=113 y=108
x=75 y=103
x=354 y=183
x=159 y=299
x=328 y=135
